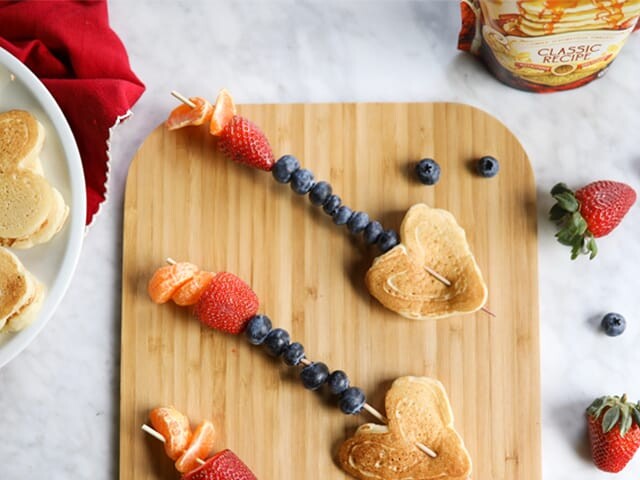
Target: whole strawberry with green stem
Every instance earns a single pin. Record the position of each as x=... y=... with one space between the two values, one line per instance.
x=614 y=432
x=591 y=212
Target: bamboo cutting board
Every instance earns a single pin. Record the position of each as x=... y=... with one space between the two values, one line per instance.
x=186 y=201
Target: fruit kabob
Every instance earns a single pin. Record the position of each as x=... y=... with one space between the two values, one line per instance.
x=244 y=142
x=188 y=449
x=224 y=302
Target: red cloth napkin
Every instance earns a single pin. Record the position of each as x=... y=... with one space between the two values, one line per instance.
x=71 y=48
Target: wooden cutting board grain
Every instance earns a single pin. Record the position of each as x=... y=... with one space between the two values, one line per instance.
x=185 y=200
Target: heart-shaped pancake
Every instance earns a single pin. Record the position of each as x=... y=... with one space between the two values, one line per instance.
x=430 y=237
x=418 y=411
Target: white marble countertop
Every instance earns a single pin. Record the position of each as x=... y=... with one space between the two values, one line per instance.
x=59 y=399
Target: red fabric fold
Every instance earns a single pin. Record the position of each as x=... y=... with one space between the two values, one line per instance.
x=71 y=48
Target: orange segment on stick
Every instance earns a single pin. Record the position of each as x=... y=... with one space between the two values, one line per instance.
x=174 y=427
x=223 y=112
x=166 y=280
x=185 y=115
x=199 y=448
x=190 y=292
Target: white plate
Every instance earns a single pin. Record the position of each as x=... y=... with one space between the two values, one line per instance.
x=53 y=262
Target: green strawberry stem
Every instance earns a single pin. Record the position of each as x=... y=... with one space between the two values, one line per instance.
x=615 y=410
x=574 y=231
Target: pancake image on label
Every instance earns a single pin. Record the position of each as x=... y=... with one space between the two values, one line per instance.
x=430 y=237
x=418 y=411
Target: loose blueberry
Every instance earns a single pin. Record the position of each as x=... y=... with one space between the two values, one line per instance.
x=332 y=204
x=342 y=215
x=277 y=340
x=358 y=222
x=320 y=193
x=293 y=354
x=338 y=382
x=428 y=171
x=487 y=167
x=372 y=232
x=302 y=181
x=257 y=329
x=313 y=376
x=284 y=168
x=387 y=240
x=352 y=401
x=613 y=324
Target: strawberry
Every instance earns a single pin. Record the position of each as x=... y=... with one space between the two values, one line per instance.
x=244 y=142
x=589 y=213
x=227 y=304
x=225 y=465
x=614 y=432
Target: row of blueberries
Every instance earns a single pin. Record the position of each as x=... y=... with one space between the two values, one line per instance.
x=287 y=170
x=314 y=375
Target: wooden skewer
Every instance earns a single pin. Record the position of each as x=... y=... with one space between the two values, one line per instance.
x=157 y=435
x=437 y=276
x=183 y=99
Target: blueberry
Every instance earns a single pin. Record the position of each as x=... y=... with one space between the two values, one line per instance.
x=277 y=341
x=257 y=329
x=372 y=232
x=613 y=324
x=331 y=205
x=487 y=167
x=387 y=240
x=320 y=192
x=293 y=354
x=342 y=215
x=313 y=376
x=302 y=181
x=428 y=171
x=352 y=401
x=358 y=222
x=338 y=382
x=284 y=168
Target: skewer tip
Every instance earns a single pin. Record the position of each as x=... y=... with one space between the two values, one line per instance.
x=488 y=312
x=183 y=99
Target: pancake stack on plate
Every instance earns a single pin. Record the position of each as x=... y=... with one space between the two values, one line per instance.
x=31 y=210
x=31 y=213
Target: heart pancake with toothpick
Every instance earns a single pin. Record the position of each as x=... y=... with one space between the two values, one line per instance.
x=418 y=411
x=433 y=239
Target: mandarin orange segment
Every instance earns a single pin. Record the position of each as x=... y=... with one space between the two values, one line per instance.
x=199 y=448
x=185 y=115
x=166 y=280
x=223 y=112
x=190 y=292
x=174 y=427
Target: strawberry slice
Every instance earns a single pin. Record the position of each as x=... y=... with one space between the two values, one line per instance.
x=227 y=304
x=225 y=465
x=242 y=141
